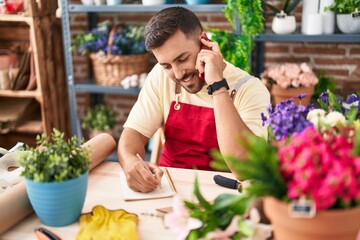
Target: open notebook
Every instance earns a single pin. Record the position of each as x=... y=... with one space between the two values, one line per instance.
x=168 y=189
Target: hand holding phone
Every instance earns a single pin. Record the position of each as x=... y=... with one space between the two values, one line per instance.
x=202 y=46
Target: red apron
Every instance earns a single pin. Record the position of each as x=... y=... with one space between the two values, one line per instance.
x=190 y=134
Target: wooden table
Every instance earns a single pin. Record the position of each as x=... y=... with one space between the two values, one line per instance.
x=104 y=189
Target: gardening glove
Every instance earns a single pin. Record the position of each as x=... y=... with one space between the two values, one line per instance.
x=102 y=223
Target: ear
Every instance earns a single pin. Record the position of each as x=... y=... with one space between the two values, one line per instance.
x=204 y=36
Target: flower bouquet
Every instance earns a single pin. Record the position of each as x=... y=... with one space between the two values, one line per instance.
x=290 y=80
x=116 y=52
x=309 y=170
x=308 y=173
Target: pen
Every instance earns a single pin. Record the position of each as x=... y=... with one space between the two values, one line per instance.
x=45 y=234
x=146 y=166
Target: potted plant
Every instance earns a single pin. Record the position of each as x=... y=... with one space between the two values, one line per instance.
x=283 y=22
x=99 y=119
x=308 y=173
x=116 y=51
x=347 y=15
x=312 y=179
x=289 y=80
x=56 y=174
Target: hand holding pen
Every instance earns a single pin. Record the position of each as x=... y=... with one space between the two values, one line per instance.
x=142 y=176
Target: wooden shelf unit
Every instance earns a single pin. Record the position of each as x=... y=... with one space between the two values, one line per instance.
x=38 y=28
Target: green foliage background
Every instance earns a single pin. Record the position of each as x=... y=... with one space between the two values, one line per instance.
x=237 y=46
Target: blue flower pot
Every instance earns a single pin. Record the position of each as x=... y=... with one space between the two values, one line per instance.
x=58 y=203
x=195 y=2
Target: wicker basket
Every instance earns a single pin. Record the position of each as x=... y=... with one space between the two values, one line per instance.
x=110 y=70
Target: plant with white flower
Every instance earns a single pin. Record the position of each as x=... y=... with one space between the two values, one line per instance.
x=323 y=120
x=334 y=113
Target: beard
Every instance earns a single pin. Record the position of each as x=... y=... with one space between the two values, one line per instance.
x=196 y=85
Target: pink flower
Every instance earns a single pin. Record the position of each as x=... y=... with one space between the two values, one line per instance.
x=178 y=221
x=321 y=166
x=289 y=75
x=226 y=234
x=291 y=70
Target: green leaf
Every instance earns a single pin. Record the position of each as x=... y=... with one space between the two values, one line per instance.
x=351 y=115
x=333 y=102
x=245 y=229
x=291 y=7
x=203 y=203
x=237 y=203
x=218 y=162
x=356 y=147
x=261 y=169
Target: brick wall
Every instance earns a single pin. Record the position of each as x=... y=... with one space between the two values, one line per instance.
x=339 y=60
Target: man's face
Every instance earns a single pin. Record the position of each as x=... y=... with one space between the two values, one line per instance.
x=178 y=56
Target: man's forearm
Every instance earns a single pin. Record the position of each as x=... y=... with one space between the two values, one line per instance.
x=130 y=143
x=229 y=126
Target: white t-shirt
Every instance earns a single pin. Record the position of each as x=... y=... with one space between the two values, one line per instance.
x=152 y=107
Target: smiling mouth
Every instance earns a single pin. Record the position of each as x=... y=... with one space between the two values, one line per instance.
x=188 y=79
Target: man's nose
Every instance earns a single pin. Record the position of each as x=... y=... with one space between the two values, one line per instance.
x=178 y=72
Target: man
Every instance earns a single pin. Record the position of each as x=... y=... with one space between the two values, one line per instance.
x=189 y=92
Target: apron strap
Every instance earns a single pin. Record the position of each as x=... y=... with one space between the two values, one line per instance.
x=177 y=96
x=238 y=85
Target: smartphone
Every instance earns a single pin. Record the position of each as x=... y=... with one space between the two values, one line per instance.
x=202 y=46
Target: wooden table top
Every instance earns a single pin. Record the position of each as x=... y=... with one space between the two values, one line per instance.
x=104 y=189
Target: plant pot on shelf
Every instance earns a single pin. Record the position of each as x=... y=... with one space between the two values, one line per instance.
x=153 y=2
x=58 y=203
x=280 y=94
x=347 y=24
x=195 y=2
x=87 y=2
x=283 y=24
x=326 y=225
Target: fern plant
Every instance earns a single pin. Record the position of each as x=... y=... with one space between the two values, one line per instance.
x=261 y=169
x=237 y=46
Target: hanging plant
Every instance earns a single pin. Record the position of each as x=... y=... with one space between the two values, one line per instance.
x=237 y=46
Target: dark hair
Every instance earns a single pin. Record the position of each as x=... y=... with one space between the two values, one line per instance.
x=165 y=23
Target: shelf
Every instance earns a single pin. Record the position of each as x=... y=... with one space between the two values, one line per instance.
x=15 y=18
x=128 y=8
x=298 y=37
x=34 y=127
x=94 y=88
x=20 y=94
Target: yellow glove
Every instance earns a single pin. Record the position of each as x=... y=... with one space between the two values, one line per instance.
x=102 y=223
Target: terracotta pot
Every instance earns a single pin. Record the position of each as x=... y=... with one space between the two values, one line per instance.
x=326 y=225
x=280 y=94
